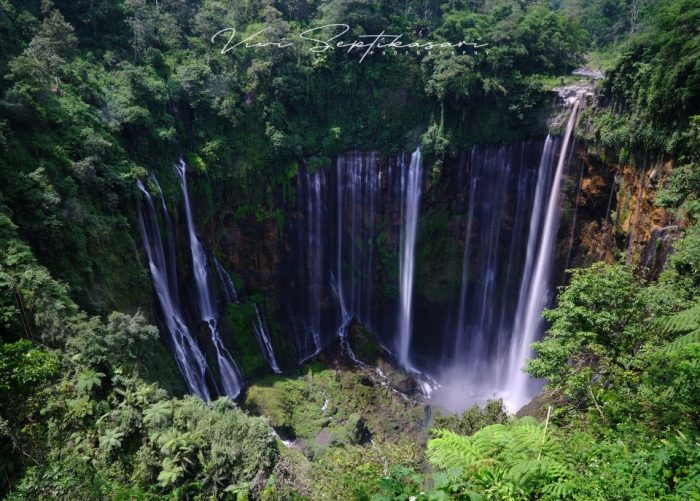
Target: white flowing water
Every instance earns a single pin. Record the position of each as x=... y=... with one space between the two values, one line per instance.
x=188 y=356
x=314 y=213
x=337 y=279
x=357 y=196
x=170 y=256
x=411 y=182
x=352 y=223
x=464 y=289
x=230 y=379
x=511 y=226
x=230 y=293
x=262 y=336
x=352 y=280
x=529 y=321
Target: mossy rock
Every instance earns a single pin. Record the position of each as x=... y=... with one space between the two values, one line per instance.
x=364 y=344
x=292 y=405
x=436 y=257
x=357 y=429
x=323 y=409
x=537 y=407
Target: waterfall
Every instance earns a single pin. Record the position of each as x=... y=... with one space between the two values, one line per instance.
x=354 y=222
x=188 y=356
x=357 y=196
x=338 y=254
x=230 y=293
x=263 y=338
x=207 y=307
x=498 y=197
x=171 y=256
x=464 y=289
x=337 y=279
x=490 y=179
x=314 y=214
x=529 y=322
x=533 y=240
x=411 y=181
x=508 y=189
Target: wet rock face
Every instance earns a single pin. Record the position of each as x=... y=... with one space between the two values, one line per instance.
x=614 y=210
x=644 y=224
x=357 y=429
x=570 y=93
x=589 y=199
x=253 y=248
x=364 y=344
x=404 y=383
x=350 y=215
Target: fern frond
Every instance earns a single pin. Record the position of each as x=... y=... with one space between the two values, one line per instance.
x=559 y=490
x=682 y=322
x=523 y=471
x=450 y=450
x=528 y=437
x=684 y=325
x=491 y=439
x=683 y=341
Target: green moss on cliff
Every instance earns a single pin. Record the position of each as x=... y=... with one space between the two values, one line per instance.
x=239 y=319
x=437 y=262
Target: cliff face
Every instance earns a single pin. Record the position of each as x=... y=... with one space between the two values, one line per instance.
x=589 y=198
x=617 y=214
x=649 y=229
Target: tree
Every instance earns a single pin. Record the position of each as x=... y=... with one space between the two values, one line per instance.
x=597 y=328
x=46 y=55
x=143 y=25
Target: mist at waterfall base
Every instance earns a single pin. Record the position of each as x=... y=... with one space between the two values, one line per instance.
x=353 y=256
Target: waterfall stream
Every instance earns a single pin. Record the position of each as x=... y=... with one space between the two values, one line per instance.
x=357 y=196
x=230 y=293
x=353 y=257
x=188 y=356
x=529 y=322
x=411 y=182
x=352 y=280
x=505 y=284
x=315 y=182
x=161 y=253
x=262 y=336
x=230 y=379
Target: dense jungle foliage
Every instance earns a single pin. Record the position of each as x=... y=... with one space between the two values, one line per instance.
x=95 y=93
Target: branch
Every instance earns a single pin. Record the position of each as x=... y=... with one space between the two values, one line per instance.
x=600 y=411
x=544 y=434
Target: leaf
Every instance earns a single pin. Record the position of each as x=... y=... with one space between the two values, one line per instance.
x=87 y=380
x=111 y=440
x=170 y=474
